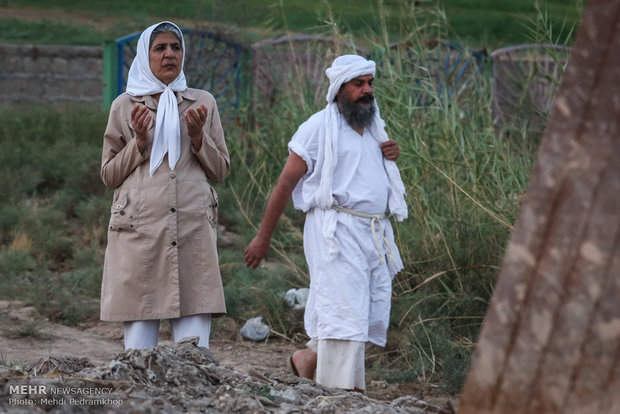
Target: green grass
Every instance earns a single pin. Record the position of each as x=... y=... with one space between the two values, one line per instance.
x=5 y=362
x=47 y=32
x=53 y=210
x=31 y=329
x=501 y=23
x=478 y=23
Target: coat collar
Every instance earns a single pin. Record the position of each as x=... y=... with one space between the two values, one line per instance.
x=150 y=102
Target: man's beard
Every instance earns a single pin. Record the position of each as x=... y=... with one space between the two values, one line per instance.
x=359 y=114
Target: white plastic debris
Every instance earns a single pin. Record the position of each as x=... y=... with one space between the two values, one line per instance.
x=255 y=329
x=297 y=298
x=287 y=394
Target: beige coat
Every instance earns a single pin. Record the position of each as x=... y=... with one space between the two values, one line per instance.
x=161 y=260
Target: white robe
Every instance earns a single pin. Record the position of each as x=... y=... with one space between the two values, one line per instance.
x=350 y=293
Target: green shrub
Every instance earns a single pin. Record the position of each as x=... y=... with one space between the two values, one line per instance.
x=261 y=293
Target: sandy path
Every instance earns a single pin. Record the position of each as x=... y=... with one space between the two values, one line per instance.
x=99 y=341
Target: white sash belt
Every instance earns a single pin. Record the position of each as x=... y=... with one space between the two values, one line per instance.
x=375 y=219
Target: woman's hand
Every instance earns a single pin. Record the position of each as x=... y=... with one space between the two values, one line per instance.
x=194 y=121
x=390 y=150
x=140 y=122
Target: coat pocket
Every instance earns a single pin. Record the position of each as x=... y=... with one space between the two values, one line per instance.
x=122 y=215
x=212 y=207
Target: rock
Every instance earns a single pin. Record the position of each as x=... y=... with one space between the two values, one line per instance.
x=378 y=384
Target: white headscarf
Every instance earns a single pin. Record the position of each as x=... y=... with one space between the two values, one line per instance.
x=140 y=82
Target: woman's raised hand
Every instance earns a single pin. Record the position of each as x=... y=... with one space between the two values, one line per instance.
x=194 y=121
x=140 y=122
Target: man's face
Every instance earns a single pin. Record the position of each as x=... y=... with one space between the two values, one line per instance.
x=357 y=91
x=356 y=101
x=165 y=57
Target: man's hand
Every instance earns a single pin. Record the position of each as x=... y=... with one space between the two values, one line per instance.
x=140 y=122
x=390 y=150
x=292 y=172
x=256 y=250
x=194 y=121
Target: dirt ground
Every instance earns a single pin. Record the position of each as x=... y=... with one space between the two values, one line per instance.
x=26 y=337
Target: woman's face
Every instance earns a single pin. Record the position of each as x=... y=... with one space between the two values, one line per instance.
x=166 y=57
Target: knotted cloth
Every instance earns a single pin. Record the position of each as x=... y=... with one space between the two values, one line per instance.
x=141 y=82
x=343 y=69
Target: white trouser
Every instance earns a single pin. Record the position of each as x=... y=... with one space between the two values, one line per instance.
x=340 y=363
x=144 y=334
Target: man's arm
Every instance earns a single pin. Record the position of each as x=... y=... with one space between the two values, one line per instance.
x=292 y=172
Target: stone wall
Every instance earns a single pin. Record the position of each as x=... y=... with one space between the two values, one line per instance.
x=47 y=74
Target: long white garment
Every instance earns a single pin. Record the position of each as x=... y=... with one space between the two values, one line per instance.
x=350 y=295
x=340 y=364
x=343 y=69
x=350 y=292
x=141 y=334
x=145 y=334
x=140 y=82
x=358 y=178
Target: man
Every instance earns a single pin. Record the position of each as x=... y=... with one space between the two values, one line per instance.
x=341 y=172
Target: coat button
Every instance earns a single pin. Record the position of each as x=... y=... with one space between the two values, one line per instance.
x=173 y=209
x=172 y=175
x=174 y=243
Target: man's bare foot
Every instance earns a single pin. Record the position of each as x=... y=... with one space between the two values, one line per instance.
x=304 y=361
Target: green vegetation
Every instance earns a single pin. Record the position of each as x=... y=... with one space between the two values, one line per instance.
x=53 y=210
x=31 y=329
x=48 y=32
x=464 y=185
x=480 y=23
x=490 y=23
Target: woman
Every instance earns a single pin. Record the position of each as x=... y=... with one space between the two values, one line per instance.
x=162 y=145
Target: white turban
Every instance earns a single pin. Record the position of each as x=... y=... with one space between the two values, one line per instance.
x=344 y=69
x=140 y=82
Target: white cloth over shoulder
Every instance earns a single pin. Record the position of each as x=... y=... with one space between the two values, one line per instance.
x=140 y=82
x=344 y=69
x=360 y=183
